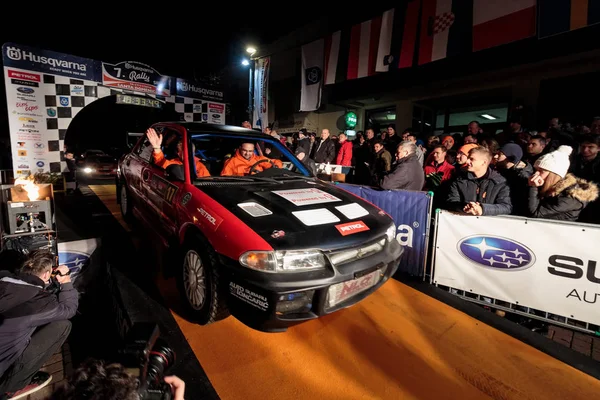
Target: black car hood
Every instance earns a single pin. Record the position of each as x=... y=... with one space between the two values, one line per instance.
x=282 y=229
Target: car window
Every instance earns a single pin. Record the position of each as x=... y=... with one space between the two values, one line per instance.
x=214 y=151
x=145 y=150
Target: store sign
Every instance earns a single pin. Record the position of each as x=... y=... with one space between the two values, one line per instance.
x=351 y=119
x=521 y=261
x=132 y=75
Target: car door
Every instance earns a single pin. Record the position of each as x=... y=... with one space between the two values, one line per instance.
x=163 y=194
x=133 y=166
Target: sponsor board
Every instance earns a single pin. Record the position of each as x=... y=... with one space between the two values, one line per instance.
x=521 y=261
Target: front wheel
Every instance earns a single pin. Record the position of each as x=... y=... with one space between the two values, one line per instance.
x=198 y=282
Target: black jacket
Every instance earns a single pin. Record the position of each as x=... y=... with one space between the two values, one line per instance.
x=567 y=199
x=25 y=305
x=325 y=152
x=491 y=191
x=518 y=182
x=406 y=174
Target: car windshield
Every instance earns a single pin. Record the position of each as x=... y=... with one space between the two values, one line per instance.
x=235 y=157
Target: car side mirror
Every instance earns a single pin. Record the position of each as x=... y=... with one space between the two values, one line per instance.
x=175 y=173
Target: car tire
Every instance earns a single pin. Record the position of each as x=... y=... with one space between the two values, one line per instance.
x=198 y=283
x=125 y=202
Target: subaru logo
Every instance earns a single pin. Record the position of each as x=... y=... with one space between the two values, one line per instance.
x=25 y=90
x=496 y=252
x=40 y=164
x=74 y=260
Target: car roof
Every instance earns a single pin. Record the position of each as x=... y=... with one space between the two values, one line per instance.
x=199 y=128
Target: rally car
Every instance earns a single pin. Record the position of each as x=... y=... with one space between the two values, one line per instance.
x=264 y=241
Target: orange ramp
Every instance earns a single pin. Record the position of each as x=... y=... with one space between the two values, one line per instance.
x=396 y=344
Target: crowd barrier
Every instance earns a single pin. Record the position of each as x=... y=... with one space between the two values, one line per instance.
x=541 y=268
x=412 y=221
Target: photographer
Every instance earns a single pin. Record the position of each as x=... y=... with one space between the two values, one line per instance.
x=94 y=380
x=33 y=322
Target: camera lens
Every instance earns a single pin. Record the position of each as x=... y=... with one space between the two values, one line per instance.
x=160 y=359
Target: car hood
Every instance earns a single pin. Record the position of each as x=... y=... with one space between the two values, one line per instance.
x=302 y=214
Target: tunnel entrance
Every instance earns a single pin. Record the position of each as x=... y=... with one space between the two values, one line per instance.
x=104 y=124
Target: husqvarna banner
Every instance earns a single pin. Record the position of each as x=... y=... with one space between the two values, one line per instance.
x=411 y=213
x=261 y=93
x=541 y=264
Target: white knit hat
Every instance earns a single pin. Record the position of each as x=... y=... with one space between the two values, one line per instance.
x=556 y=161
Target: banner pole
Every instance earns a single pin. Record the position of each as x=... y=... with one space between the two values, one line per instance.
x=434 y=245
x=427 y=233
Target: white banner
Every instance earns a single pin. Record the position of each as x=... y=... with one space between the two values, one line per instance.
x=542 y=264
x=27 y=122
x=312 y=75
x=261 y=93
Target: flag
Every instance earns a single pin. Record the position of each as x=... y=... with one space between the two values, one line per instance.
x=398 y=36
x=261 y=93
x=337 y=47
x=364 y=39
x=501 y=22
x=445 y=29
x=559 y=16
x=312 y=75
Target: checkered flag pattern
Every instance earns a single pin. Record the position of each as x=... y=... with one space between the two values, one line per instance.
x=65 y=97
x=443 y=22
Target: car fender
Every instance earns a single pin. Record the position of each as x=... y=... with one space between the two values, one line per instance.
x=225 y=232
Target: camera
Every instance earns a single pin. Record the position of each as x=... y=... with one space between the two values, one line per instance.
x=147 y=356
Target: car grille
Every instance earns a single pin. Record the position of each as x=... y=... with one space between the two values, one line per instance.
x=344 y=256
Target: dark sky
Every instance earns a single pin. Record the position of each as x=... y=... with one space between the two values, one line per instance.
x=175 y=40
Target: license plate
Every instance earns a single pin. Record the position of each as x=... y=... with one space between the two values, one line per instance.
x=341 y=292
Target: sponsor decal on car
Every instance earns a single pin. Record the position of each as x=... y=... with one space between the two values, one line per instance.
x=208 y=215
x=248 y=296
x=186 y=198
x=351 y=228
x=306 y=197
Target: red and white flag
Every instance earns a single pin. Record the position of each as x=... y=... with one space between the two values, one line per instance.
x=499 y=22
x=438 y=20
x=398 y=36
x=332 y=54
x=364 y=41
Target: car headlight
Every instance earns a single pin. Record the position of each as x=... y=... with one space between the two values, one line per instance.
x=391 y=233
x=88 y=170
x=283 y=261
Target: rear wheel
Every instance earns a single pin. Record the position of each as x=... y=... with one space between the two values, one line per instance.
x=125 y=202
x=198 y=282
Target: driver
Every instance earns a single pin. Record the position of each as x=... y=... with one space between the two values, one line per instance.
x=159 y=159
x=244 y=158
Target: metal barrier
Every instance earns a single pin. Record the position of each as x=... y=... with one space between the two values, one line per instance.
x=542 y=269
x=411 y=212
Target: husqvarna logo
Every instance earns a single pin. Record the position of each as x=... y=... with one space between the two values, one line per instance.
x=496 y=252
x=14 y=53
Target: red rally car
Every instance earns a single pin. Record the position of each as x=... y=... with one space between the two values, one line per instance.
x=260 y=238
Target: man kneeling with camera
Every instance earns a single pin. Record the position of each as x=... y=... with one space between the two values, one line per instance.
x=33 y=322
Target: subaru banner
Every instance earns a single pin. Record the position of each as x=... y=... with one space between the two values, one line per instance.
x=410 y=211
x=542 y=264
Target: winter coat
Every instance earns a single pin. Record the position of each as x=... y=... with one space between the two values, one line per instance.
x=565 y=200
x=406 y=174
x=491 y=191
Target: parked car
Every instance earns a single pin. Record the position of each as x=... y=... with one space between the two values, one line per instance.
x=98 y=166
x=272 y=245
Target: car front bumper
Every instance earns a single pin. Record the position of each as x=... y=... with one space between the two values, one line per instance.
x=274 y=302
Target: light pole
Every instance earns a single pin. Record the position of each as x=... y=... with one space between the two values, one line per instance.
x=251 y=50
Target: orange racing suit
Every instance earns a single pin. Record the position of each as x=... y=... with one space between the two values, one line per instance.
x=239 y=166
x=161 y=161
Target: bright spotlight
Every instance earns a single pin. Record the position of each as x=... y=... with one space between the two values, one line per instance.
x=251 y=50
x=245 y=62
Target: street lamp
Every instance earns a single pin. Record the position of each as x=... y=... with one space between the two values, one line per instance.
x=251 y=50
x=245 y=62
